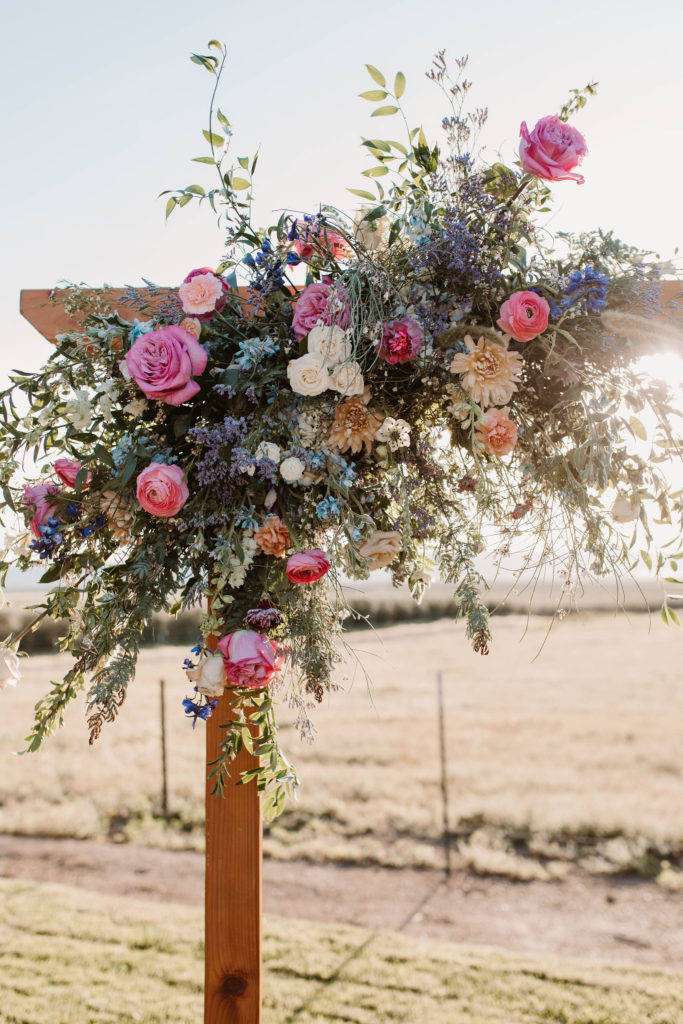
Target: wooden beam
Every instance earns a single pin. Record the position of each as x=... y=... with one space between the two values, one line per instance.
x=45 y=311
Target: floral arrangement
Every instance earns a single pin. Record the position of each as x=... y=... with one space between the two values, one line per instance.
x=442 y=375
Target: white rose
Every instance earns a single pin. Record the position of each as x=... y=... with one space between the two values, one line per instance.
x=331 y=344
x=308 y=375
x=292 y=469
x=624 y=510
x=347 y=379
x=9 y=668
x=268 y=450
x=209 y=675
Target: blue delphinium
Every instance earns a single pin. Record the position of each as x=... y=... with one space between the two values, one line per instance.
x=253 y=350
x=50 y=538
x=327 y=508
x=589 y=287
x=194 y=710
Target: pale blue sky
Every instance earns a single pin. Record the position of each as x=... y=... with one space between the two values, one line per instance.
x=102 y=110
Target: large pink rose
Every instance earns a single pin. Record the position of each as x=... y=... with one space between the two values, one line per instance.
x=524 y=315
x=164 y=362
x=67 y=471
x=39 y=498
x=307 y=566
x=401 y=340
x=203 y=293
x=497 y=432
x=321 y=301
x=162 y=490
x=552 y=150
x=250 y=658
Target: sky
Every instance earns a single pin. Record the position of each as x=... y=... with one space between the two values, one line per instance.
x=102 y=110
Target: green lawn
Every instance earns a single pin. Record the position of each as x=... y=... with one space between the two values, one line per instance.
x=72 y=957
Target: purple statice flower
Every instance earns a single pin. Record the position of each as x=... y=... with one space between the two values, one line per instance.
x=214 y=466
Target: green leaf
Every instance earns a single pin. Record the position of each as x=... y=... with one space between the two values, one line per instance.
x=376 y=172
x=203 y=160
x=399 y=84
x=384 y=111
x=638 y=428
x=674 y=617
x=362 y=194
x=170 y=206
x=376 y=75
x=196 y=190
x=646 y=559
x=239 y=184
x=213 y=138
x=374 y=95
x=243 y=161
x=223 y=119
x=184 y=200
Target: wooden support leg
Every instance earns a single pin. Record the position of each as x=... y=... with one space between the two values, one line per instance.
x=232 y=929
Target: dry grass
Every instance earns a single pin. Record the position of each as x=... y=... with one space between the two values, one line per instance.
x=68 y=956
x=575 y=756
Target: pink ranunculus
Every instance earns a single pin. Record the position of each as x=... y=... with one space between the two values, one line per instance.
x=203 y=293
x=307 y=566
x=496 y=432
x=39 y=497
x=313 y=242
x=321 y=301
x=163 y=363
x=524 y=315
x=67 y=471
x=401 y=340
x=552 y=150
x=162 y=490
x=250 y=658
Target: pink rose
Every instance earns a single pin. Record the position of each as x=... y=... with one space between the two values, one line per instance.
x=497 y=432
x=203 y=293
x=524 y=315
x=67 y=471
x=250 y=658
x=307 y=566
x=401 y=340
x=314 y=241
x=552 y=150
x=321 y=301
x=38 y=497
x=162 y=490
x=164 y=362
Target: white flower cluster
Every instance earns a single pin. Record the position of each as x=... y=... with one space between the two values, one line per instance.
x=395 y=433
x=237 y=566
x=328 y=365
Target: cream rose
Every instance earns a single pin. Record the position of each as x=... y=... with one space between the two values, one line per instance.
x=624 y=510
x=381 y=548
x=292 y=469
x=331 y=344
x=269 y=450
x=308 y=375
x=209 y=675
x=347 y=379
x=9 y=668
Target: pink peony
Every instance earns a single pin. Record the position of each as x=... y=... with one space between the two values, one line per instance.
x=312 y=242
x=401 y=340
x=322 y=301
x=497 y=432
x=164 y=362
x=38 y=497
x=307 y=566
x=552 y=150
x=203 y=293
x=524 y=315
x=67 y=471
x=162 y=490
x=250 y=658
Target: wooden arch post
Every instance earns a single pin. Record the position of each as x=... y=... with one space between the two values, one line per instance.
x=232 y=898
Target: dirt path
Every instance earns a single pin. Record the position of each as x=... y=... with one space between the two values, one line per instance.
x=617 y=919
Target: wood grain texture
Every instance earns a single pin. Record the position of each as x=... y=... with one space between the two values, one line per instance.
x=44 y=310
x=232 y=993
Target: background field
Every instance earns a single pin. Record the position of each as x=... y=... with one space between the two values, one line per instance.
x=574 y=758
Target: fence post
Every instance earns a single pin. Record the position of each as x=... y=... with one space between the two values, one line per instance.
x=444 y=776
x=164 y=758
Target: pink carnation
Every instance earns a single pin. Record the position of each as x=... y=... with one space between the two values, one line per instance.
x=250 y=658
x=552 y=150
x=496 y=432
x=322 y=301
x=307 y=566
x=524 y=315
x=401 y=340
x=38 y=497
x=164 y=362
x=162 y=490
x=203 y=293
x=67 y=471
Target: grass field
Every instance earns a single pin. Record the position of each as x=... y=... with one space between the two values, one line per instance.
x=575 y=757
x=67 y=957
